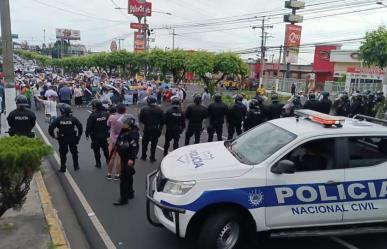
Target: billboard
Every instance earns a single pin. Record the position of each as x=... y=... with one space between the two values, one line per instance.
x=293 y=42
x=139 y=42
x=68 y=34
x=138 y=8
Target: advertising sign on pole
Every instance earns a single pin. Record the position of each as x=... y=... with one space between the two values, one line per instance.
x=113 y=46
x=138 y=8
x=139 y=43
x=293 y=42
x=68 y=34
x=139 y=26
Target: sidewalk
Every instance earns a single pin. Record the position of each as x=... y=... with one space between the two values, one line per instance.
x=36 y=225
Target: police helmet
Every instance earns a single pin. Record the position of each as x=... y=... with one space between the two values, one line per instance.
x=128 y=119
x=97 y=104
x=312 y=96
x=325 y=94
x=218 y=97
x=197 y=99
x=21 y=100
x=175 y=100
x=151 y=100
x=112 y=109
x=259 y=99
x=253 y=103
x=274 y=98
x=296 y=101
x=379 y=93
x=65 y=109
x=238 y=98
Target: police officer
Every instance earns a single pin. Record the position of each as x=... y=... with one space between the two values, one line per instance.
x=370 y=106
x=275 y=109
x=342 y=106
x=357 y=105
x=127 y=147
x=236 y=116
x=97 y=129
x=217 y=112
x=66 y=135
x=380 y=107
x=195 y=114
x=325 y=103
x=312 y=103
x=254 y=116
x=174 y=121
x=151 y=117
x=21 y=121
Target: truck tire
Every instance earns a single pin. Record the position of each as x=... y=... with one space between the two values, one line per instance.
x=224 y=230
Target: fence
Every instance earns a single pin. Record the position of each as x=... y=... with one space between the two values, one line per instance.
x=335 y=88
x=285 y=85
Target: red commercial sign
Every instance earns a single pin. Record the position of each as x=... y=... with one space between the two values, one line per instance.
x=139 y=26
x=293 y=42
x=139 y=8
x=365 y=70
x=139 y=42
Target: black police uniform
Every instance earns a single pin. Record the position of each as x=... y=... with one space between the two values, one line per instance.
x=275 y=110
x=216 y=113
x=357 y=107
x=174 y=121
x=341 y=107
x=97 y=129
x=254 y=117
x=325 y=105
x=235 y=117
x=127 y=147
x=67 y=137
x=195 y=114
x=152 y=118
x=21 y=122
x=312 y=104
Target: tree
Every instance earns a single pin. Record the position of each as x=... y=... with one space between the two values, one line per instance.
x=20 y=158
x=229 y=64
x=373 y=51
x=201 y=63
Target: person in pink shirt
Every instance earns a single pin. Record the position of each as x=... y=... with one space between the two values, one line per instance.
x=115 y=129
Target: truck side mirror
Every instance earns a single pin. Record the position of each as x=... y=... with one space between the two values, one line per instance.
x=284 y=167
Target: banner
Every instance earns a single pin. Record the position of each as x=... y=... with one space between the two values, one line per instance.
x=138 y=8
x=139 y=42
x=139 y=26
x=68 y=34
x=293 y=42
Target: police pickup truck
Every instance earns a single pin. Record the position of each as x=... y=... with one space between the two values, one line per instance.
x=309 y=175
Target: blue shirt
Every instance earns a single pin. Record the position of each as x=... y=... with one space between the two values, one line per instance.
x=65 y=93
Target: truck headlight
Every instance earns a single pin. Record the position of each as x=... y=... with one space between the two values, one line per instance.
x=178 y=188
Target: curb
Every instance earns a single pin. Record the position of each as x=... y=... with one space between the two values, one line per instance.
x=58 y=236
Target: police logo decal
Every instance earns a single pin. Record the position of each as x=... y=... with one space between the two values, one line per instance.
x=256 y=198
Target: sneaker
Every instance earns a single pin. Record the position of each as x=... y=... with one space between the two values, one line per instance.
x=116 y=177
x=109 y=176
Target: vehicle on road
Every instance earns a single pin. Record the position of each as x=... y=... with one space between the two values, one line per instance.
x=309 y=175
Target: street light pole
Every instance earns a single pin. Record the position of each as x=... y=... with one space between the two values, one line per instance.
x=381 y=3
x=6 y=34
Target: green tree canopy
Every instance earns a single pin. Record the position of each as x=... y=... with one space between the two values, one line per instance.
x=374 y=49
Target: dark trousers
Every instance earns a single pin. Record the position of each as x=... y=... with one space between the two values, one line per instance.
x=212 y=129
x=135 y=98
x=197 y=130
x=149 y=137
x=169 y=135
x=97 y=144
x=232 y=127
x=126 y=182
x=64 y=147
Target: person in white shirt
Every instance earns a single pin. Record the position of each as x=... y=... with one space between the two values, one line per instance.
x=50 y=108
x=106 y=96
x=50 y=92
x=78 y=94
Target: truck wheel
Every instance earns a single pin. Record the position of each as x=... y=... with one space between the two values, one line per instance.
x=224 y=230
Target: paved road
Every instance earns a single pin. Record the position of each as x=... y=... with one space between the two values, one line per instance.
x=127 y=226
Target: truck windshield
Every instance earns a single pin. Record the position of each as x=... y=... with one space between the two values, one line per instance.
x=260 y=143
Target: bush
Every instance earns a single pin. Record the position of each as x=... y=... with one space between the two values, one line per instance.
x=20 y=158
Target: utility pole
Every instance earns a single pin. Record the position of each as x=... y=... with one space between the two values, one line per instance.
x=6 y=34
x=173 y=39
x=278 y=69
x=263 y=47
x=44 y=36
x=119 y=43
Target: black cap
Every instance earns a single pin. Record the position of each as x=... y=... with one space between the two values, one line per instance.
x=21 y=100
x=175 y=100
x=97 y=104
x=151 y=100
x=218 y=97
x=197 y=98
x=65 y=109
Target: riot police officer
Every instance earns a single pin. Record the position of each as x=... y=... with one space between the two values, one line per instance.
x=151 y=117
x=254 y=116
x=342 y=106
x=97 y=129
x=127 y=147
x=380 y=107
x=275 y=109
x=312 y=103
x=236 y=116
x=217 y=112
x=370 y=106
x=325 y=103
x=66 y=135
x=357 y=105
x=195 y=114
x=174 y=121
x=21 y=121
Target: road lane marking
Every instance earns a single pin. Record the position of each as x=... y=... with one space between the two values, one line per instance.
x=343 y=243
x=93 y=218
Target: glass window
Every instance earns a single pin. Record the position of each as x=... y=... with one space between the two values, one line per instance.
x=314 y=155
x=367 y=151
x=260 y=143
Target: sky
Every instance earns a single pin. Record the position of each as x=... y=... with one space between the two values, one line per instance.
x=231 y=30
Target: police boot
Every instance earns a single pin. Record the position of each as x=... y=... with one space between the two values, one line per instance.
x=152 y=159
x=76 y=166
x=62 y=169
x=120 y=203
x=98 y=164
